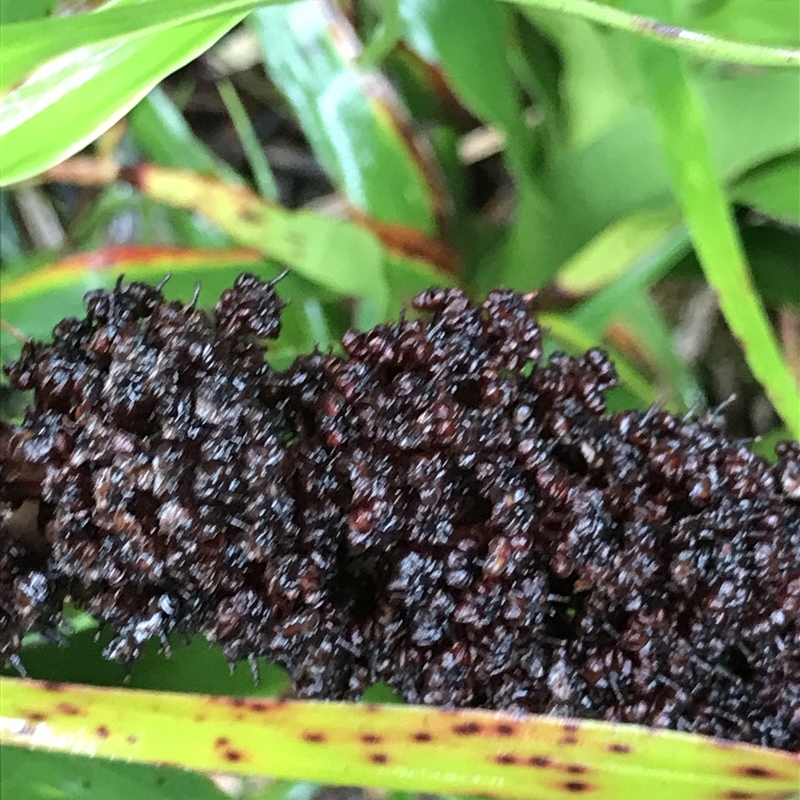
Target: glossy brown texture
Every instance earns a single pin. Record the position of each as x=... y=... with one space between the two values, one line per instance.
x=441 y=510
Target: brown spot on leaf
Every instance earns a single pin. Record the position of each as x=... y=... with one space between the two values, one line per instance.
x=576 y=769
x=36 y=716
x=236 y=702
x=754 y=771
x=422 y=736
x=132 y=738
x=567 y=740
x=576 y=787
x=379 y=758
x=371 y=738
x=571 y=726
x=541 y=762
x=53 y=686
x=505 y=729
x=233 y=755
x=103 y=732
x=68 y=709
x=260 y=706
x=251 y=214
x=372 y=708
x=736 y=794
x=315 y=737
x=466 y=729
x=622 y=749
x=506 y=759
x=222 y=741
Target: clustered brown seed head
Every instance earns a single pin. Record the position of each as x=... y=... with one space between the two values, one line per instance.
x=439 y=510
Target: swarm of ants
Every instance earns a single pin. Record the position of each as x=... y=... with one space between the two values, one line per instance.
x=440 y=509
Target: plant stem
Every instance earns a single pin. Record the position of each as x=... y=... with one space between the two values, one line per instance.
x=693 y=42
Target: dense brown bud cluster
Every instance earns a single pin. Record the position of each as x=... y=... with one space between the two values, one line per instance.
x=439 y=510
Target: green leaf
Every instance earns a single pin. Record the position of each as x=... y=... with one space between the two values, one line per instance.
x=31 y=45
x=620 y=249
x=196 y=667
x=355 y=122
x=678 y=111
x=160 y=129
x=36 y=775
x=599 y=78
x=450 y=34
x=162 y=133
x=773 y=189
x=53 y=114
x=750 y=119
x=411 y=748
x=66 y=80
x=335 y=254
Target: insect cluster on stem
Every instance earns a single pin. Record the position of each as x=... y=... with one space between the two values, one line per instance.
x=439 y=509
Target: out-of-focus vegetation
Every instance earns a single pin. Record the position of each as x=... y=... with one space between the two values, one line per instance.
x=636 y=162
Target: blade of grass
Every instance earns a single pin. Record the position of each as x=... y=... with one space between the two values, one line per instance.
x=399 y=747
x=681 y=122
x=671 y=36
x=254 y=152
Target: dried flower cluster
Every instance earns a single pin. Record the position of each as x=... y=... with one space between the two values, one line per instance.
x=438 y=510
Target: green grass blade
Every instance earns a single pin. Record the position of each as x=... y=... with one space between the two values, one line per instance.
x=262 y=172
x=773 y=189
x=684 y=136
x=671 y=36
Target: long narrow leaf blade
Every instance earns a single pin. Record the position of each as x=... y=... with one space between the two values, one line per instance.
x=400 y=747
x=672 y=36
x=682 y=125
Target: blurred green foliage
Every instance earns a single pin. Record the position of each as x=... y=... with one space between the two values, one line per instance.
x=636 y=170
